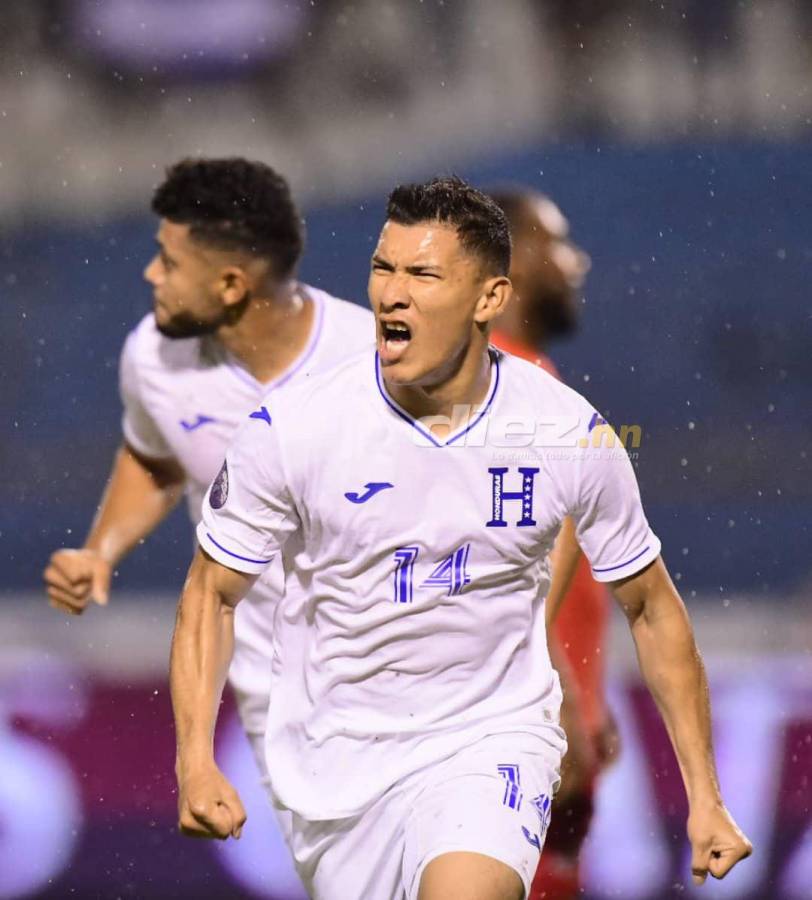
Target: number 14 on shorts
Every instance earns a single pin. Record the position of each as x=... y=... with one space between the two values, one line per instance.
x=450 y=572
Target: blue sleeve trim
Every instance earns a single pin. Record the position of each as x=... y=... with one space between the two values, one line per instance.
x=619 y=565
x=259 y=562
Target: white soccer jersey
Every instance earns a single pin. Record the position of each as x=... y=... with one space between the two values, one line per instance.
x=416 y=569
x=185 y=399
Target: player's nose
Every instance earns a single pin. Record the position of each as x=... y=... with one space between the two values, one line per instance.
x=151 y=271
x=395 y=294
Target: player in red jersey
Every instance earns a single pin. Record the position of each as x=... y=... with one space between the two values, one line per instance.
x=547 y=269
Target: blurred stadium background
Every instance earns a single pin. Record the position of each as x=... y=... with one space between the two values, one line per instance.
x=676 y=137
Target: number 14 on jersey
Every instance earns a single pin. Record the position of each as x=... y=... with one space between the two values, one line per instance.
x=450 y=573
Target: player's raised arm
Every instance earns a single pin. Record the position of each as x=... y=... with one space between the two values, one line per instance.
x=208 y=806
x=140 y=493
x=144 y=486
x=672 y=668
x=247 y=516
x=624 y=552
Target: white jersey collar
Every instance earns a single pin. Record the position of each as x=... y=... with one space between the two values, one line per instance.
x=264 y=388
x=398 y=410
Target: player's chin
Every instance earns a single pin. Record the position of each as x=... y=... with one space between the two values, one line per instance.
x=398 y=373
x=402 y=370
x=396 y=357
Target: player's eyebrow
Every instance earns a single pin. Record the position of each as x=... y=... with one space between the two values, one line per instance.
x=414 y=269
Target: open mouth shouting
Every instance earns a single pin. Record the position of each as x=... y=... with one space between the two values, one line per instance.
x=393 y=341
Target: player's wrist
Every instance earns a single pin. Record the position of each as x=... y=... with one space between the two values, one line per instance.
x=101 y=555
x=193 y=761
x=705 y=801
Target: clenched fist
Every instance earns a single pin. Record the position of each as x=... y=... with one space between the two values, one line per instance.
x=717 y=843
x=208 y=806
x=74 y=578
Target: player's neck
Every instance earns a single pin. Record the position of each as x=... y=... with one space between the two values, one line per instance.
x=272 y=333
x=455 y=398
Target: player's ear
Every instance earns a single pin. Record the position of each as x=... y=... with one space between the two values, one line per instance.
x=234 y=286
x=496 y=293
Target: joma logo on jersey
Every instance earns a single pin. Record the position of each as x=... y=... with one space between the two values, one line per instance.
x=372 y=488
x=262 y=415
x=198 y=422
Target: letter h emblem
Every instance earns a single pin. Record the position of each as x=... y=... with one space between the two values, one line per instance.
x=499 y=495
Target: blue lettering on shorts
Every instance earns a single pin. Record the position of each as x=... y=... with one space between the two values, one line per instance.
x=513 y=787
x=534 y=839
x=542 y=804
x=512 y=798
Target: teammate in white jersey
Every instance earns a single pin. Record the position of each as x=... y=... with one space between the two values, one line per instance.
x=413 y=733
x=230 y=327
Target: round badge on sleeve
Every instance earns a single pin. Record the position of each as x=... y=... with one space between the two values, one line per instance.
x=219 y=490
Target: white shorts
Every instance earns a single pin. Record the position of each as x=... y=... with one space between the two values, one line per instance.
x=492 y=798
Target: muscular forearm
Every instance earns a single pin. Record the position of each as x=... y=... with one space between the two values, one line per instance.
x=673 y=670
x=208 y=806
x=201 y=652
x=139 y=495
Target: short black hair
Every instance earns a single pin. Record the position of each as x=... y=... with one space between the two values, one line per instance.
x=481 y=225
x=234 y=204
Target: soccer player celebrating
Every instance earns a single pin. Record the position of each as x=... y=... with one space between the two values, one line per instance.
x=230 y=326
x=414 y=728
x=546 y=271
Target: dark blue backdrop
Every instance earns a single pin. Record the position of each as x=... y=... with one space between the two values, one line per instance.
x=696 y=326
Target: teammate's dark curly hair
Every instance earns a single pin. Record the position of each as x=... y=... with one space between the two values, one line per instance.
x=481 y=224
x=234 y=204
